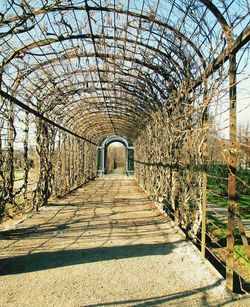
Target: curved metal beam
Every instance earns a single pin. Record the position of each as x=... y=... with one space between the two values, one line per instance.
x=97 y=81
x=218 y=15
x=38 y=114
x=88 y=8
x=154 y=68
x=135 y=118
x=50 y=41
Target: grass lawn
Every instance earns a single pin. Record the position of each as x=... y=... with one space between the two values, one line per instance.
x=243 y=201
x=217 y=227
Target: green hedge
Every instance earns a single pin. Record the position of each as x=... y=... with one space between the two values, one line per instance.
x=218 y=179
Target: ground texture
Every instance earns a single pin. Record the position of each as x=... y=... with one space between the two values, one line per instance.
x=105 y=245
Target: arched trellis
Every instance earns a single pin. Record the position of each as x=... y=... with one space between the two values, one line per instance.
x=102 y=154
x=168 y=52
x=220 y=60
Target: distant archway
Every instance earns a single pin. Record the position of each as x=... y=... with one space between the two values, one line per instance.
x=116 y=158
x=105 y=164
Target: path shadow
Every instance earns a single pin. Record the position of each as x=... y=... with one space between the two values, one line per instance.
x=49 y=260
x=70 y=226
x=184 y=298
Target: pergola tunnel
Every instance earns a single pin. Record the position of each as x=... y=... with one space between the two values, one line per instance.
x=155 y=89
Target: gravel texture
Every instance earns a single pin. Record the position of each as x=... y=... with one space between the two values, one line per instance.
x=105 y=244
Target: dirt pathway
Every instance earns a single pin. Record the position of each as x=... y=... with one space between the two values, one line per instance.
x=104 y=245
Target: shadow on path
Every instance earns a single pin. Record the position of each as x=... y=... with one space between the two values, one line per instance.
x=177 y=299
x=50 y=260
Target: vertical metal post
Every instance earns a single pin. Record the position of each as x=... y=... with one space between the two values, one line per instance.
x=126 y=161
x=204 y=174
x=99 y=160
x=231 y=174
x=10 y=153
x=176 y=217
x=64 y=167
x=104 y=154
x=204 y=204
x=69 y=161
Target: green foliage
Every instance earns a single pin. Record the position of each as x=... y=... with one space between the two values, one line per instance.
x=217 y=194
x=244 y=175
x=31 y=163
x=218 y=228
x=240 y=254
x=130 y=159
x=243 y=201
x=217 y=179
x=99 y=159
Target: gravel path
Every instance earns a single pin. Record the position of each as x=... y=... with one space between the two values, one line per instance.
x=105 y=245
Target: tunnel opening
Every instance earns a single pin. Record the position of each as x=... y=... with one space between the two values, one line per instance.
x=116 y=158
x=115 y=155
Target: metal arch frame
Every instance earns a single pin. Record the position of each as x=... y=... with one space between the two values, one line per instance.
x=87 y=8
x=46 y=42
x=228 y=53
x=240 y=41
x=103 y=149
x=127 y=108
x=75 y=88
x=101 y=56
x=130 y=128
x=213 y=9
x=40 y=115
x=123 y=110
x=44 y=84
x=106 y=9
x=130 y=111
x=125 y=91
x=125 y=116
